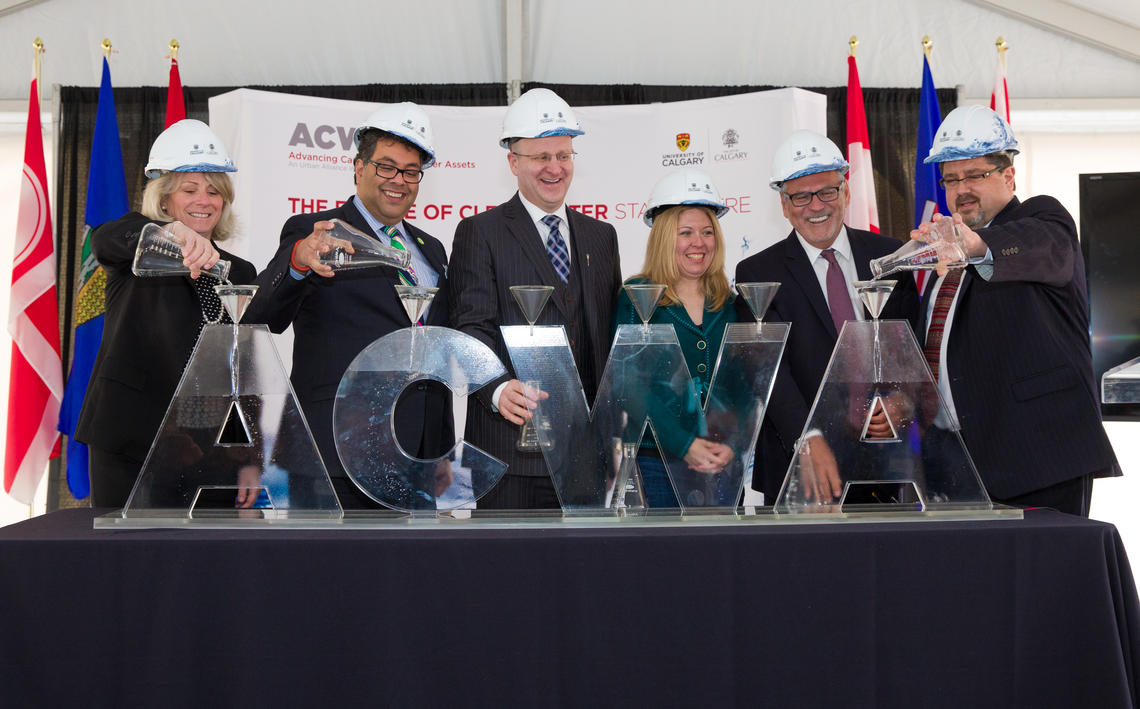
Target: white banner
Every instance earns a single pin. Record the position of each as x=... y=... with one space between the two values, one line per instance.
x=294 y=154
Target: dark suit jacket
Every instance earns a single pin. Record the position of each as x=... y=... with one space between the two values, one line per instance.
x=801 y=302
x=1018 y=356
x=149 y=331
x=335 y=318
x=500 y=248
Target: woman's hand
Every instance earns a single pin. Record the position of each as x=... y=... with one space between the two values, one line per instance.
x=705 y=456
x=198 y=252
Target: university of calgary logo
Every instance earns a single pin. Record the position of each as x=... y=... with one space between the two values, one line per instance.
x=683 y=141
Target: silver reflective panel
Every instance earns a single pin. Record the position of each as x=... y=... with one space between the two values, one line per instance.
x=1121 y=384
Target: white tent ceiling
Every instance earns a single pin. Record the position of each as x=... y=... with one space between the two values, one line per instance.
x=1075 y=49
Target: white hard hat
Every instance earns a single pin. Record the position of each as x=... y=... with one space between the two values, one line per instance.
x=805 y=152
x=539 y=113
x=685 y=186
x=188 y=146
x=971 y=132
x=406 y=121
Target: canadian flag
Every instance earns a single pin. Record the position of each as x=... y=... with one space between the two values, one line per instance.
x=999 y=99
x=862 y=213
x=36 y=381
x=175 y=104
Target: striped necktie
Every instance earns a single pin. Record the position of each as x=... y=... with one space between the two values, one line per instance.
x=408 y=277
x=942 y=302
x=556 y=248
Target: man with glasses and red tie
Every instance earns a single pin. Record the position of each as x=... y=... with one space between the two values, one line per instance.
x=335 y=317
x=815 y=266
x=1008 y=337
x=532 y=239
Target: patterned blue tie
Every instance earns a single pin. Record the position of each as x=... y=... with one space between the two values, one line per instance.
x=556 y=248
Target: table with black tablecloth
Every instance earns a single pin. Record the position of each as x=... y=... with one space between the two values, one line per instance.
x=1033 y=612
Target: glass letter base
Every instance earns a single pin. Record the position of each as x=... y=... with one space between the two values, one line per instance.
x=594 y=496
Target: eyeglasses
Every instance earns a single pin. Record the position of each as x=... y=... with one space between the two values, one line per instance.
x=387 y=172
x=803 y=199
x=948 y=182
x=547 y=158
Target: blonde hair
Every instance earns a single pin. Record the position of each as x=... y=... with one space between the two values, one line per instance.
x=161 y=187
x=661 y=258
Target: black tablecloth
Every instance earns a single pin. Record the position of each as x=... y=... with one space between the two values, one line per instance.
x=1040 y=612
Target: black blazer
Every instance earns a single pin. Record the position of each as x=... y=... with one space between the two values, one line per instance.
x=1019 y=358
x=335 y=318
x=801 y=302
x=500 y=248
x=149 y=332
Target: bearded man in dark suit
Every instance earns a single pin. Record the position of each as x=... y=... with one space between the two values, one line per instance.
x=1010 y=340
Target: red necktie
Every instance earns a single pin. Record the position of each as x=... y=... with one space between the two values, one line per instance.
x=942 y=302
x=838 y=299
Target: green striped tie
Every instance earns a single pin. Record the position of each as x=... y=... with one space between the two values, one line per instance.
x=409 y=276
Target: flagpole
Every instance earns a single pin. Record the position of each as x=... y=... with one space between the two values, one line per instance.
x=37 y=61
x=1002 y=48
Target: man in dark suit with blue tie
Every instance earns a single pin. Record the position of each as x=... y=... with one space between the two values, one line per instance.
x=334 y=318
x=815 y=267
x=532 y=239
x=1008 y=337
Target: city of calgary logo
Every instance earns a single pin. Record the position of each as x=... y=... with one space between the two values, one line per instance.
x=683 y=141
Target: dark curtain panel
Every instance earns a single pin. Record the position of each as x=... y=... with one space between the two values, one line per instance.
x=892 y=121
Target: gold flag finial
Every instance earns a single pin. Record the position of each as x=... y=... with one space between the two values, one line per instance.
x=174 y=49
x=106 y=48
x=853 y=43
x=1002 y=45
x=927 y=46
x=38 y=51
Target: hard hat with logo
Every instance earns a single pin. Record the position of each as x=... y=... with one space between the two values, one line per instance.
x=188 y=146
x=406 y=121
x=971 y=132
x=805 y=152
x=539 y=113
x=681 y=187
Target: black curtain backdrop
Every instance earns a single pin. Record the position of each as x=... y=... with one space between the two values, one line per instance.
x=892 y=118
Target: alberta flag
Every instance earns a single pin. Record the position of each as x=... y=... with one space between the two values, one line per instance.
x=929 y=197
x=106 y=201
